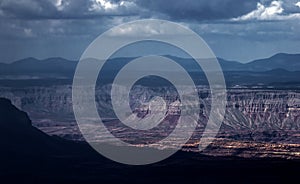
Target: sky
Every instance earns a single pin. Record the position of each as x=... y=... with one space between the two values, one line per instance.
x=236 y=30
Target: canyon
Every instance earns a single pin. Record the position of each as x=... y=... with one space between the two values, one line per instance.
x=267 y=120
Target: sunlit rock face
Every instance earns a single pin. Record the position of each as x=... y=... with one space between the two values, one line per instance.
x=246 y=109
x=265 y=121
x=263 y=110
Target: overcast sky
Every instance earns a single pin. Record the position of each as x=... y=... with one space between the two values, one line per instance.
x=235 y=29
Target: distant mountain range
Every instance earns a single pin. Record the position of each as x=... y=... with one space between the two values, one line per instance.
x=289 y=62
x=280 y=69
x=31 y=67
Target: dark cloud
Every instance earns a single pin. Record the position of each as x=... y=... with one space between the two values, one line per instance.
x=191 y=10
x=27 y=9
x=47 y=28
x=65 y=9
x=200 y=10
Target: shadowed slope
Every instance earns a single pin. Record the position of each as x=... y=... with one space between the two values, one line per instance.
x=30 y=156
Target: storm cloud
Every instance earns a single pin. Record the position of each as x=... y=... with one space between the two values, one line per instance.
x=66 y=9
x=234 y=29
x=191 y=10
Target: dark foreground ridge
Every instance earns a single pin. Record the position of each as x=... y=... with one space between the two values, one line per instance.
x=30 y=156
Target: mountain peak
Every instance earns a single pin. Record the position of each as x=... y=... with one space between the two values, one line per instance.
x=25 y=60
x=284 y=55
x=10 y=116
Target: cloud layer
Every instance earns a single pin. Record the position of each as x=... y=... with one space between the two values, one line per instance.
x=66 y=9
x=274 y=11
x=235 y=29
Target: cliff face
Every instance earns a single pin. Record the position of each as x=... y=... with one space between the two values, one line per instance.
x=20 y=140
x=253 y=117
x=10 y=116
x=246 y=109
x=267 y=110
x=54 y=99
x=30 y=156
x=18 y=136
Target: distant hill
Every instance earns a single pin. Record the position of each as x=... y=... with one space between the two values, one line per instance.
x=31 y=67
x=290 y=62
x=278 y=68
